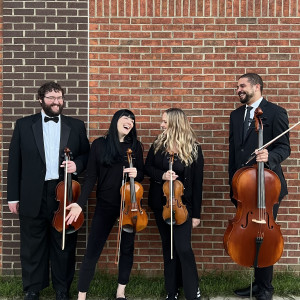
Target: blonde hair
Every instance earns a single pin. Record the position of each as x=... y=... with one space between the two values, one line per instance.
x=179 y=135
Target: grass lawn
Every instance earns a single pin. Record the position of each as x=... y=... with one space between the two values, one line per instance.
x=211 y=284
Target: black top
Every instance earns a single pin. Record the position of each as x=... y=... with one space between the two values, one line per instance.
x=109 y=177
x=191 y=177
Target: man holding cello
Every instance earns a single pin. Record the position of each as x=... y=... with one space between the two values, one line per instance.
x=243 y=141
x=35 y=167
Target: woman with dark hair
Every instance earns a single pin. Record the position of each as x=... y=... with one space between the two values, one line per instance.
x=106 y=163
x=179 y=139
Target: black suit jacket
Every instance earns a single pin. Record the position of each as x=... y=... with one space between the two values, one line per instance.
x=276 y=122
x=27 y=164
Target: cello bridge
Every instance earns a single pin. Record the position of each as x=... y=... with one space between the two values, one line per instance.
x=259 y=221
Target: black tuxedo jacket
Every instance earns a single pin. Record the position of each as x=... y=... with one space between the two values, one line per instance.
x=27 y=164
x=276 y=122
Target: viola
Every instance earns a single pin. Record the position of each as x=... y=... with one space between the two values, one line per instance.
x=134 y=217
x=252 y=237
x=67 y=192
x=174 y=212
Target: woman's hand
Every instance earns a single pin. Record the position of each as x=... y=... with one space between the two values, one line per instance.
x=167 y=175
x=74 y=213
x=132 y=172
x=195 y=222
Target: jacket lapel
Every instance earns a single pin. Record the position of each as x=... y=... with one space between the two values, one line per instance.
x=37 y=129
x=64 y=134
x=241 y=122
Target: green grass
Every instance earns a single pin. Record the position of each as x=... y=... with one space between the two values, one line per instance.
x=140 y=286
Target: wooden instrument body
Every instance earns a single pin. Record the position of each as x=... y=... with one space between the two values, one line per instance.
x=134 y=216
x=241 y=233
x=179 y=210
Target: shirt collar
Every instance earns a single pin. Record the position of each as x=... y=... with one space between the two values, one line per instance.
x=255 y=104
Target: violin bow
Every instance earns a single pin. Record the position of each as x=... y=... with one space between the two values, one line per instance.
x=171 y=200
x=65 y=201
x=117 y=256
x=270 y=142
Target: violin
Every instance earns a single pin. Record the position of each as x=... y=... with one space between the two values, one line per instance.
x=174 y=212
x=67 y=192
x=134 y=217
x=252 y=237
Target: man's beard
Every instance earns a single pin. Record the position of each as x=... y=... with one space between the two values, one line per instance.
x=48 y=109
x=247 y=97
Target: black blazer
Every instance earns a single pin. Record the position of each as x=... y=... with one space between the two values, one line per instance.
x=276 y=122
x=193 y=178
x=27 y=164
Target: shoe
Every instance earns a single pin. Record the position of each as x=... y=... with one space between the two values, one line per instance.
x=264 y=295
x=121 y=298
x=30 y=295
x=245 y=293
x=172 y=296
x=60 y=295
x=198 y=297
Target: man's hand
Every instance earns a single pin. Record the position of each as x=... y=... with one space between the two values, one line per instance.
x=195 y=222
x=262 y=155
x=70 y=165
x=14 y=207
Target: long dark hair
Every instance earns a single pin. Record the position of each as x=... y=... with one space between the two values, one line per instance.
x=113 y=151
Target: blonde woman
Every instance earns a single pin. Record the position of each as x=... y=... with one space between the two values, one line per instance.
x=179 y=138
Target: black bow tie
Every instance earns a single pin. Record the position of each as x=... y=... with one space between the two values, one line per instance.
x=54 y=119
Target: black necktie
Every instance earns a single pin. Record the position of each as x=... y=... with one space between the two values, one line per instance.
x=246 y=121
x=54 y=119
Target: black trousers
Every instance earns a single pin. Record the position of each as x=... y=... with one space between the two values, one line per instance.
x=182 y=268
x=41 y=247
x=103 y=221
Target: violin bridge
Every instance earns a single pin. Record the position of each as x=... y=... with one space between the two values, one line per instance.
x=259 y=221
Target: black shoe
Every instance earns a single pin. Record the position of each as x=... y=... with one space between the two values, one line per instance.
x=172 y=296
x=32 y=295
x=121 y=298
x=60 y=295
x=264 y=295
x=245 y=293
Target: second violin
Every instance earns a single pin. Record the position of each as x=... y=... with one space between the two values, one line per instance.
x=174 y=212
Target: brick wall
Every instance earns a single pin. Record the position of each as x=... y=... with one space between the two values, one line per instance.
x=43 y=41
x=151 y=55
x=148 y=56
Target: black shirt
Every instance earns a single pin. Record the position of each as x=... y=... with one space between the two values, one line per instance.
x=109 y=177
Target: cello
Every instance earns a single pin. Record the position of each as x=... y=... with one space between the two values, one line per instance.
x=67 y=192
x=252 y=237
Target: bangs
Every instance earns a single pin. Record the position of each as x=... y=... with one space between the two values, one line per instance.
x=128 y=114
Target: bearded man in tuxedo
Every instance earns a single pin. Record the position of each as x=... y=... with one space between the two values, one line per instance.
x=35 y=167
